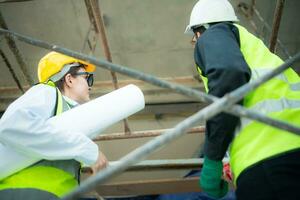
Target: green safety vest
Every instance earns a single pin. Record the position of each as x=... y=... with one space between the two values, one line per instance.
x=44 y=179
x=278 y=98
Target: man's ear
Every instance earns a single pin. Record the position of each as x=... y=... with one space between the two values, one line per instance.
x=68 y=80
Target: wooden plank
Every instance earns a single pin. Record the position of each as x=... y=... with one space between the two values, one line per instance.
x=103 y=87
x=190 y=163
x=168 y=164
x=163 y=186
x=153 y=94
x=172 y=108
x=158 y=186
x=140 y=134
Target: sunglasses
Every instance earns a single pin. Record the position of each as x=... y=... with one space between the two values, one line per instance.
x=88 y=76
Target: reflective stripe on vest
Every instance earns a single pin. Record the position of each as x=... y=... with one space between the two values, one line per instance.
x=278 y=98
x=44 y=177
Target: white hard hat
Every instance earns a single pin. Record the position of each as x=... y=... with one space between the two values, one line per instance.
x=210 y=11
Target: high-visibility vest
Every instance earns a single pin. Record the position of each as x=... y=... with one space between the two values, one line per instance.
x=44 y=179
x=278 y=98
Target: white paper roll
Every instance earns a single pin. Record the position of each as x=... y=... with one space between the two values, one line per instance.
x=90 y=118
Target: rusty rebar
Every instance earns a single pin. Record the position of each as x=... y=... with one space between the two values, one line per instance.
x=11 y=70
x=96 y=19
x=13 y=47
x=276 y=24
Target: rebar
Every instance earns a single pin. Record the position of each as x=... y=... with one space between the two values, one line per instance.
x=136 y=155
x=253 y=2
x=96 y=19
x=276 y=24
x=235 y=110
x=13 y=47
x=244 y=7
x=11 y=70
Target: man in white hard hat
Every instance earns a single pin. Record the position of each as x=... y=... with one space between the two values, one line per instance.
x=65 y=82
x=264 y=160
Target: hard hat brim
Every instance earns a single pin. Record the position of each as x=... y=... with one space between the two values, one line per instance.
x=188 y=30
x=90 y=67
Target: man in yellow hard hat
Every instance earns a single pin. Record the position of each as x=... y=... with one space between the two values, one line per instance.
x=65 y=82
x=60 y=69
x=264 y=160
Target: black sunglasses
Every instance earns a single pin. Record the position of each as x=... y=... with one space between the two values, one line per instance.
x=89 y=77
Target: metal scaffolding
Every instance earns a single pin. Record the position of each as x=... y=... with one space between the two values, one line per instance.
x=224 y=104
x=235 y=110
x=17 y=53
x=95 y=16
x=11 y=70
x=276 y=24
x=250 y=11
x=204 y=114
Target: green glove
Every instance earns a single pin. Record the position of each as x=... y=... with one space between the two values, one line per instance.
x=210 y=179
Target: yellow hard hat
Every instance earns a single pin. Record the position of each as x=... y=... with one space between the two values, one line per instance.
x=53 y=63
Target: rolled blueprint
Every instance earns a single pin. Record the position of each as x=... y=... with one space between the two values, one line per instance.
x=90 y=119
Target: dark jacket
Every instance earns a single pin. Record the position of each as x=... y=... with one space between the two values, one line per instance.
x=217 y=53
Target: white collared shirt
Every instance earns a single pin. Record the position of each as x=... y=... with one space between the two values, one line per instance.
x=24 y=127
x=70 y=101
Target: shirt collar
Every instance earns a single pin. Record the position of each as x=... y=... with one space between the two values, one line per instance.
x=70 y=101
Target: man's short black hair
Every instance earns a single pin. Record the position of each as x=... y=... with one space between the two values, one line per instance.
x=199 y=29
x=73 y=70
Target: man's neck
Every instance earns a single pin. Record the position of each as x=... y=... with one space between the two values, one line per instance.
x=70 y=101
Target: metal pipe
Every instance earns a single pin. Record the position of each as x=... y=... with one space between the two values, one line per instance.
x=235 y=110
x=13 y=47
x=218 y=106
x=141 y=152
x=11 y=70
x=276 y=24
x=95 y=14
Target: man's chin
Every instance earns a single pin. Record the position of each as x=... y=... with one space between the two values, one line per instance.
x=86 y=100
x=82 y=101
